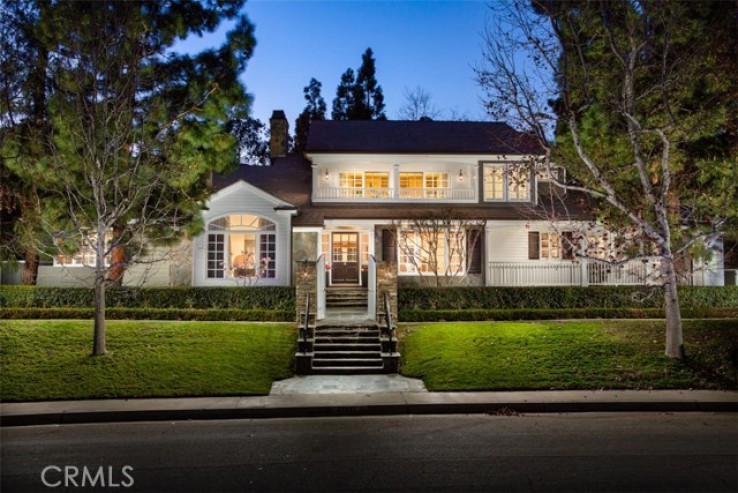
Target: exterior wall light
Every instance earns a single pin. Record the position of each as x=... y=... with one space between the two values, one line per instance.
x=461 y=175
x=326 y=175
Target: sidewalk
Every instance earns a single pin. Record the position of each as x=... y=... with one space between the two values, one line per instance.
x=363 y=404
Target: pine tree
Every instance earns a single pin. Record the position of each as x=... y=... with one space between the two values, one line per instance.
x=360 y=97
x=314 y=110
x=134 y=129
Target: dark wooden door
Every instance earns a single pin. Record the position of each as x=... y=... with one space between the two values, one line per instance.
x=345 y=256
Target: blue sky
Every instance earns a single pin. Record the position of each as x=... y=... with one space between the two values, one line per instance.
x=431 y=44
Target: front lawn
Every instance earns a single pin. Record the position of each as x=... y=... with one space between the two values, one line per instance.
x=568 y=355
x=46 y=360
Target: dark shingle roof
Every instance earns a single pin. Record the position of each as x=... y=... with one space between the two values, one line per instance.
x=425 y=137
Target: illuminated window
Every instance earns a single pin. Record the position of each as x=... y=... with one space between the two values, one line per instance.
x=417 y=185
x=441 y=252
x=506 y=183
x=351 y=184
x=242 y=246
x=377 y=185
x=79 y=250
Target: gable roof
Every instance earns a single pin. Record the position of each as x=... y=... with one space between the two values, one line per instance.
x=425 y=137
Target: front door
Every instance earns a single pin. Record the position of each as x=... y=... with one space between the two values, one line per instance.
x=345 y=256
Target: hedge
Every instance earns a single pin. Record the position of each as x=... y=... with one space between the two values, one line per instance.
x=225 y=314
x=240 y=298
x=478 y=315
x=574 y=297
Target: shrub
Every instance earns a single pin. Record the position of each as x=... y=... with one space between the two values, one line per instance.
x=242 y=298
x=478 y=315
x=194 y=314
x=490 y=298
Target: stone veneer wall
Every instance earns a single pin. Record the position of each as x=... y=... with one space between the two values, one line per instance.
x=304 y=249
x=306 y=282
x=387 y=282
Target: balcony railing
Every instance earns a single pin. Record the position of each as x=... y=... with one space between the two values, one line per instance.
x=365 y=193
x=580 y=273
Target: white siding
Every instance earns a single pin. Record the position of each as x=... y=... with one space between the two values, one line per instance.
x=242 y=198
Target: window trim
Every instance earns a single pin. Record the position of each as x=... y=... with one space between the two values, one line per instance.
x=418 y=249
x=506 y=185
x=264 y=236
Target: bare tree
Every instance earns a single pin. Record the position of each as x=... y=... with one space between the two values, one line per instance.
x=418 y=105
x=609 y=90
x=437 y=246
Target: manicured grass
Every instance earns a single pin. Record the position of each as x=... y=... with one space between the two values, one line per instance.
x=45 y=360
x=568 y=355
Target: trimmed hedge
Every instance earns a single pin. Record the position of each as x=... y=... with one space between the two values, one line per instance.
x=479 y=315
x=574 y=297
x=220 y=314
x=239 y=298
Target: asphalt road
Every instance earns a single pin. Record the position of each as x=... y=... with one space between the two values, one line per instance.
x=686 y=452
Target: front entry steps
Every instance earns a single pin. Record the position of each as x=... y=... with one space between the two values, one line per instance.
x=346 y=297
x=340 y=349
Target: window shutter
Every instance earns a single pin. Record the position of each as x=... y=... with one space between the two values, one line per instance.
x=567 y=245
x=534 y=241
x=474 y=250
x=389 y=250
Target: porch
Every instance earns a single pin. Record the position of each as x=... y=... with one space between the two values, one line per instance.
x=580 y=272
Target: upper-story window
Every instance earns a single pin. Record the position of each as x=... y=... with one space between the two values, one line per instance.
x=419 y=185
x=371 y=184
x=506 y=182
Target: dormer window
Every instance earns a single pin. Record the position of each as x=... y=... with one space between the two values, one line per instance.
x=506 y=182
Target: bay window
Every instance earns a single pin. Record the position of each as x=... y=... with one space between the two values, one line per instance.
x=241 y=246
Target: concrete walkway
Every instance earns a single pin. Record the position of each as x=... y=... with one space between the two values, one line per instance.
x=346 y=384
x=365 y=403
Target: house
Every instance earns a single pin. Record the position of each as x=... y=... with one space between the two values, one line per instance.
x=450 y=203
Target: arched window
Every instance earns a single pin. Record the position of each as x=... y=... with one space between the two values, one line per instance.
x=241 y=246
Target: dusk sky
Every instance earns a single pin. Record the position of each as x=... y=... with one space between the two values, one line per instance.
x=431 y=44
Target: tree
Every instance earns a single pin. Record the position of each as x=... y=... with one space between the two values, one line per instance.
x=438 y=245
x=629 y=98
x=136 y=128
x=418 y=105
x=253 y=141
x=344 y=100
x=360 y=98
x=314 y=110
x=23 y=96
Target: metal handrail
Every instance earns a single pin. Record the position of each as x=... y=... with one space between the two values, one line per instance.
x=305 y=327
x=388 y=316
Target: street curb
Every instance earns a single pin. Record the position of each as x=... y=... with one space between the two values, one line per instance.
x=381 y=409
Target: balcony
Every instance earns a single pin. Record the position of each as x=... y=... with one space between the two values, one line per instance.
x=580 y=273
x=392 y=194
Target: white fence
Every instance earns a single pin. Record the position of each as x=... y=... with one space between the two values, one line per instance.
x=579 y=273
x=380 y=194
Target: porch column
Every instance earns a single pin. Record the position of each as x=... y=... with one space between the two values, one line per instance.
x=387 y=283
x=395 y=181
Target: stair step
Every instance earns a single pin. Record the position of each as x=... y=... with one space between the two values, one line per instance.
x=347 y=355
x=346 y=346
x=347 y=370
x=348 y=362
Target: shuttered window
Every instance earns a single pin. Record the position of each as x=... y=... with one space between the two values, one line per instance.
x=534 y=242
x=474 y=251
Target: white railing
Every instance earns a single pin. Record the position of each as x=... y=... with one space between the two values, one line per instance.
x=381 y=194
x=320 y=301
x=372 y=287
x=579 y=273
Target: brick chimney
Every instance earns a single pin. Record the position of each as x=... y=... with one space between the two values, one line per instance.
x=279 y=128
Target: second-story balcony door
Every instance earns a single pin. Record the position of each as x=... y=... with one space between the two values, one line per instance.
x=345 y=258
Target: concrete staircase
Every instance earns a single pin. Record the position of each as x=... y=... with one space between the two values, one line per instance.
x=346 y=297
x=346 y=348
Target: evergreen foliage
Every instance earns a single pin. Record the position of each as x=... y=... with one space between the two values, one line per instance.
x=359 y=96
x=314 y=110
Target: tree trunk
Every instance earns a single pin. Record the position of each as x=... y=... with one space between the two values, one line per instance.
x=30 y=268
x=118 y=260
x=98 y=338
x=674 y=337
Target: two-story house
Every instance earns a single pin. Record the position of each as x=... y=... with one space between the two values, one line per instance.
x=448 y=202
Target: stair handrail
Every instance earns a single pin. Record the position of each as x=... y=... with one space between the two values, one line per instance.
x=305 y=326
x=388 y=316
